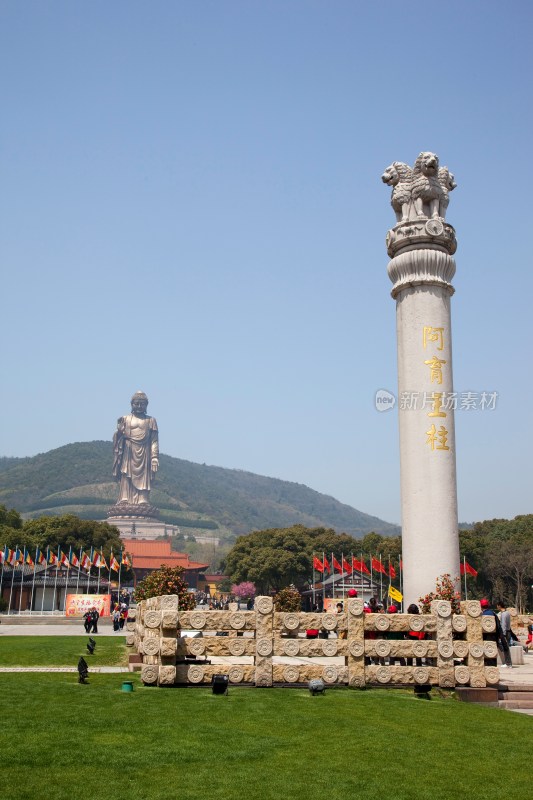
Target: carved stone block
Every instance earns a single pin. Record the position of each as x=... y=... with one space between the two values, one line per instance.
x=149 y=673
x=169 y=602
x=168 y=646
x=169 y=619
x=167 y=675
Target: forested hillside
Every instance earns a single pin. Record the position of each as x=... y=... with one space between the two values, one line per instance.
x=77 y=478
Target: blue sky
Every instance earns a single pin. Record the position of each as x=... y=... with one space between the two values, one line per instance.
x=191 y=205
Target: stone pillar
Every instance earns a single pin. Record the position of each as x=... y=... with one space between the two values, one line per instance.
x=421 y=247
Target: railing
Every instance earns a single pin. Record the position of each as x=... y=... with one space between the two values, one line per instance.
x=360 y=649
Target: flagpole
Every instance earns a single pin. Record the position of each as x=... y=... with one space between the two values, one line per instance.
x=66 y=580
x=119 y=571
x=89 y=571
x=464 y=571
x=33 y=585
x=2 y=574
x=22 y=579
x=323 y=582
x=99 y=568
x=381 y=579
x=313 y=585
x=44 y=581
x=400 y=564
x=55 y=582
x=12 y=577
x=79 y=568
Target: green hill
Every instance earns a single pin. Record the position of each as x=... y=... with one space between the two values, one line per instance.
x=76 y=478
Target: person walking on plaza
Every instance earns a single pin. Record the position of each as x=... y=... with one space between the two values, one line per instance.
x=87 y=621
x=498 y=635
x=95 y=616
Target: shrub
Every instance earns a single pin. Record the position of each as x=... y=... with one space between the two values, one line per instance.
x=444 y=590
x=288 y=599
x=166 y=580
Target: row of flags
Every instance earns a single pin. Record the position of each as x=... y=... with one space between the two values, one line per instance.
x=19 y=558
x=348 y=565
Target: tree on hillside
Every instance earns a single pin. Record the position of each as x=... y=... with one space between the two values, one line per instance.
x=276 y=558
x=10 y=518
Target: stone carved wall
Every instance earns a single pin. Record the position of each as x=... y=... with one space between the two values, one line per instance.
x=454 y=652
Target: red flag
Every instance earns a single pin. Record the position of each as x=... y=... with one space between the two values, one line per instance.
x=468 y=569
x=317 y=564
x=360 y=566
x=377 y=566
x=326 y=564
x=346 y=566
x=336 y=565
x=392 y=571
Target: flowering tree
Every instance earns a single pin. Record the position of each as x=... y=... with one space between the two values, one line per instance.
x=166 y=580
x=444 y=590
x=244 y=591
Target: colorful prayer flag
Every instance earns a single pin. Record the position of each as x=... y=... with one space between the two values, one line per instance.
x=29 y=560
x=74 y=560
x=40 y=558
x=113 y=564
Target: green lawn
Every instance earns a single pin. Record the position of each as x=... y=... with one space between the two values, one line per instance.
x=61 y=651
x=60 y=740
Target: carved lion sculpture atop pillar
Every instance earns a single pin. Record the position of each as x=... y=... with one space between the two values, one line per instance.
x=427 y=191
x=421 y=192
x=400 y=177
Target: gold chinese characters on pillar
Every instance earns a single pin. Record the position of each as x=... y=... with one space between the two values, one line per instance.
x=437 y=438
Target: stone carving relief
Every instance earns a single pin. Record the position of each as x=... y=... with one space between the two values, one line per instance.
x=462 y=674
x=459 y=623
x=264 y=647
x=264 y=605
x=488 y=624
x=197 y=620
x=291 y=647
x=235 y=674
x=291 y=674
x=291 y=621
x=152 y=619
x=237 y=647
x=329 y=647
x=237 y=620
x=329 y=621
x=356 y=648
x=196 y=647
x=329 y=674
